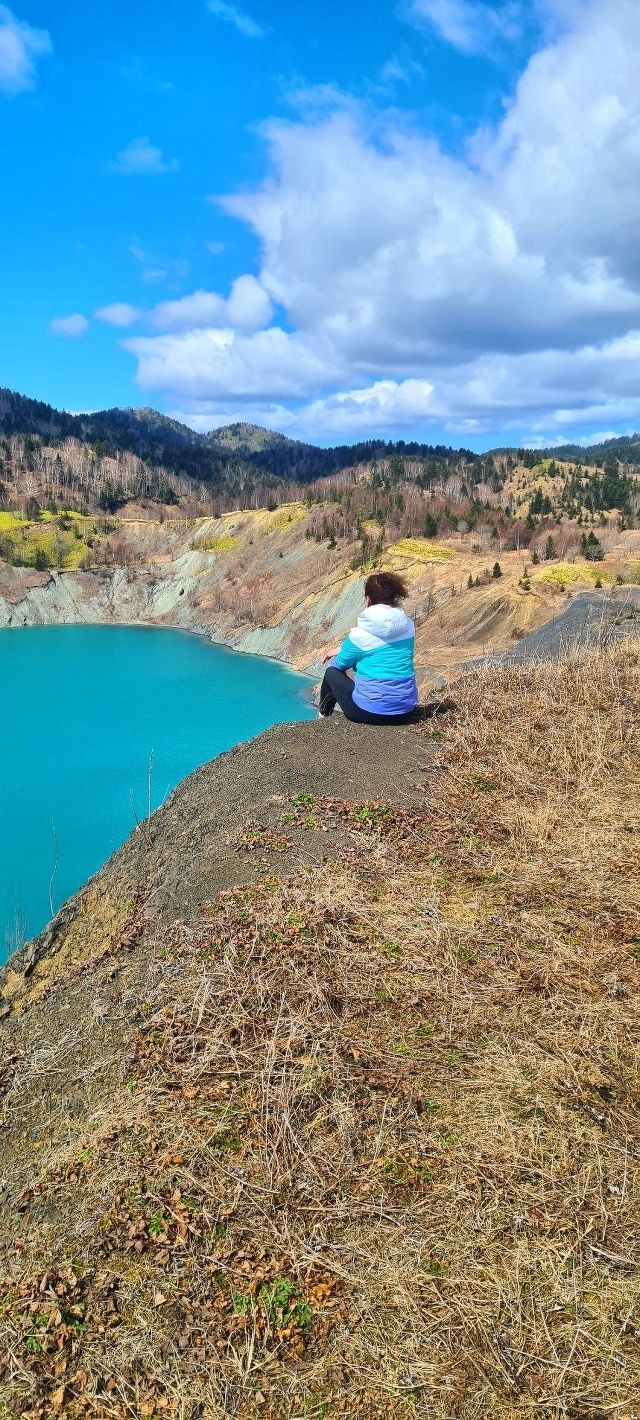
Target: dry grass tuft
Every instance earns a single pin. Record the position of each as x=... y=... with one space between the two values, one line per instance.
x=375 y=1148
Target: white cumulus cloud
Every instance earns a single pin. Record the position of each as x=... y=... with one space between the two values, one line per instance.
x=384 y=405
x=247 y=308
x=141 y=158
x=553 y=394
x=119 y=313
x=469 y=25
x=499 y=288
x=20 y=46
x=243 y=22
x=214 y=363
x=545 y=388
x=70 y=327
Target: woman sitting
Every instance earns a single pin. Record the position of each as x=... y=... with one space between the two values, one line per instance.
x=380 y=652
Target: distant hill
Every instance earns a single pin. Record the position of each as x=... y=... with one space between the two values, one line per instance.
x=246 y=440
x=109 y=458
x=213 y=458
x=625 y=448
x=150 y=436
x=166 y=442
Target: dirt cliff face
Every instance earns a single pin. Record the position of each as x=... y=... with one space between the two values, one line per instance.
x=259 y=582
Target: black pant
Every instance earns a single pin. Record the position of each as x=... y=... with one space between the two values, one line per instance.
x=338 y=686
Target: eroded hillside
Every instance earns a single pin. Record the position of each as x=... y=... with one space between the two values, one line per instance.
x=274 y=583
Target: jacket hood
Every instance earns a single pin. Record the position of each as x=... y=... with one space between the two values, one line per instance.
x=387 y=623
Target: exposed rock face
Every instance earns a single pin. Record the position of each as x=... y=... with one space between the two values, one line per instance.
x=258 y=586
x=110 y=594
x=172 y=596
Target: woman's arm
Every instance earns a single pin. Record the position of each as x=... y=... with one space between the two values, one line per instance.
x=348 y=655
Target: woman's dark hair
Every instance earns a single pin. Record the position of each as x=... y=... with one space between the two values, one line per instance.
x=386 y=588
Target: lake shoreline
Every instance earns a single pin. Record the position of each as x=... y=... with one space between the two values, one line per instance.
x=129 y=718
x=200 y=632
x=172 y=598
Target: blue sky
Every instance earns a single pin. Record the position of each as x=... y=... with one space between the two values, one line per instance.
x=416 y=219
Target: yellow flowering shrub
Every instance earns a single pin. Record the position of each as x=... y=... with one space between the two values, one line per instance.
x=24 y=541
x=287 y=515
x=560 y=574
x=423 y=549
x=215 y=544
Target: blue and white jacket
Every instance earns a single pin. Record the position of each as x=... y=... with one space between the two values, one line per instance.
x=380 y=651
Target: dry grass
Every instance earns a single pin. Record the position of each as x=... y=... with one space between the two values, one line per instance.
x=375 y=1149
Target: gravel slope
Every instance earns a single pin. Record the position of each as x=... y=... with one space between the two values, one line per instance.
x=585 y=620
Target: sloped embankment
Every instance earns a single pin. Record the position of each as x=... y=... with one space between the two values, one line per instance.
x=358 y=1137
x=260 y=582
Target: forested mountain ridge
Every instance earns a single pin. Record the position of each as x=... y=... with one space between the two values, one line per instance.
x=153 y=437
x=624 y=447
x=165 y=442
x=57 y=465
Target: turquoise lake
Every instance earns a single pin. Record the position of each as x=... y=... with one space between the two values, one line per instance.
x=84 y=711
